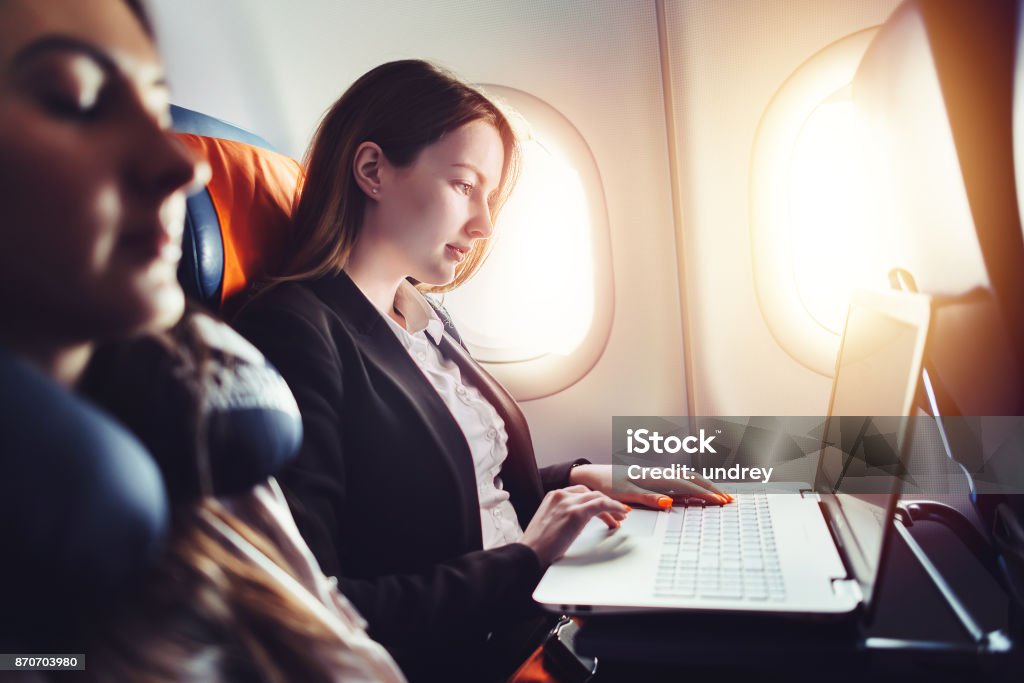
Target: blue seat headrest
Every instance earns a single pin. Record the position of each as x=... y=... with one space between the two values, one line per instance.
x=188 y=121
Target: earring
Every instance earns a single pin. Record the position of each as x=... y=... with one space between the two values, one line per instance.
x=374 y=190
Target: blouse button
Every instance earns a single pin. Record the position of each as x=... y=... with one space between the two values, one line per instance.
x=422 y=356
x=460 y=390
x=492 y=433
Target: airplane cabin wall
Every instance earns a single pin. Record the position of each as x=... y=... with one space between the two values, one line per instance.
x=275 y=68
x=727 y=60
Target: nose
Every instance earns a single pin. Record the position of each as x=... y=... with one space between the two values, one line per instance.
x=163 y=165
x=481 y=223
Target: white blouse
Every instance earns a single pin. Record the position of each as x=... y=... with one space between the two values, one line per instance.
x=480 y=423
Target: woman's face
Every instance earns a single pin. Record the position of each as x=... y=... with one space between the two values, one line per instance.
x=91 y=183
x=431 y=212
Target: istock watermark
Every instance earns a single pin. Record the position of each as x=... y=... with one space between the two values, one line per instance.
x=852 y=454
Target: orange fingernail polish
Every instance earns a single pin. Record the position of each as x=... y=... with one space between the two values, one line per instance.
x=628 y=509
x=664 y=502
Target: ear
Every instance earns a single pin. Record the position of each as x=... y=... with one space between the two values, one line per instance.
x=366 y=168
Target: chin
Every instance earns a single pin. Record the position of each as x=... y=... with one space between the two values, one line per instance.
x=160 y=310
x=437 y=277
x=169 y=308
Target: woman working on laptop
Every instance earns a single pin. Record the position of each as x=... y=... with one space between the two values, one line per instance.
x=417 y=482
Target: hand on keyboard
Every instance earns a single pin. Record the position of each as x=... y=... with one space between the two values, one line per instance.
x=655 y=493
x=562 y=515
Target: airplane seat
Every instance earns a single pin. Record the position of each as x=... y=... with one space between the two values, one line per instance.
x=83 y=510
x=935 y=94
x=237 y=224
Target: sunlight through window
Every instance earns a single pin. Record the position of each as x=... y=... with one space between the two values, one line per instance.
x=534 y=295
x=829 y=247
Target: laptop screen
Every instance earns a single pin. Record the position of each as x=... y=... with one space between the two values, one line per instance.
x=865 y=441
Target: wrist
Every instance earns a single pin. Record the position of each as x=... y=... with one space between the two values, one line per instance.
x=542 y=563
x=579 y=473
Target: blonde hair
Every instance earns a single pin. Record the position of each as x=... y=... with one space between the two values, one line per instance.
x=402 y=106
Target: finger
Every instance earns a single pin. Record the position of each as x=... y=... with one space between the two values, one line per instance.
x=569 y=493
x=681 y=489
x=661 y=501
x=585 y=497
x=608 y=519
x=637 y=498
x=689 y=487
x=630 y=494
x=596 y=506
x=658 y=501
x=615 y=506
x=707 y=485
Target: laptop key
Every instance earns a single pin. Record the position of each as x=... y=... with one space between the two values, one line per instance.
x=722 y=592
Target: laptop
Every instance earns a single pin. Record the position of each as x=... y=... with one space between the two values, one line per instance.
x=787 y=548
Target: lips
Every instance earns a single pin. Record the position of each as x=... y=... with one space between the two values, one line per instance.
x=150 y=245
x=459 y=254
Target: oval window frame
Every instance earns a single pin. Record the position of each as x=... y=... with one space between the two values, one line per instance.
x=549 y=373
x=793 y=327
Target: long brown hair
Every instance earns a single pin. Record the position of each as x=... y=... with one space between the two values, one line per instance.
x=402 y=106
x=206 y=614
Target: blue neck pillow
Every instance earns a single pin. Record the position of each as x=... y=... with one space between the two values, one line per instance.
x=216 y=416
x=87 y=487
x=83 y=510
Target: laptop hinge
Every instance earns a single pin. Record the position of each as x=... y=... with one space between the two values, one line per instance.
x=810 y=493
x=836 y=538
x=848 y=588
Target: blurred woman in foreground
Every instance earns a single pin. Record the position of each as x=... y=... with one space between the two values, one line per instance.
x=92 y=187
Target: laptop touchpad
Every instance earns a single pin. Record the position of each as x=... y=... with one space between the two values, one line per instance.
x=640 y=523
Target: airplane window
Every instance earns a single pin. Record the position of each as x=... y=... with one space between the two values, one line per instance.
x=535 y=293
x=536 y=313
x=829 y=252
x=811 y=242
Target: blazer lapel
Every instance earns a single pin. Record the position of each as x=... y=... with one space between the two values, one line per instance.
x=382 y=348
x=519 y=473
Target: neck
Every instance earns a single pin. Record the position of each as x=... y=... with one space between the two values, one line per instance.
x=375 y=274
x=63 y=363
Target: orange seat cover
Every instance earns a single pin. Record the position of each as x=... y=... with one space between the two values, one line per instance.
x=253 y=191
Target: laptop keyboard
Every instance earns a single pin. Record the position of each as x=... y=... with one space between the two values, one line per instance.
x=721 y=552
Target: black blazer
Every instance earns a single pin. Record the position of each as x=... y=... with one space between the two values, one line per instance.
x=384 y=488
